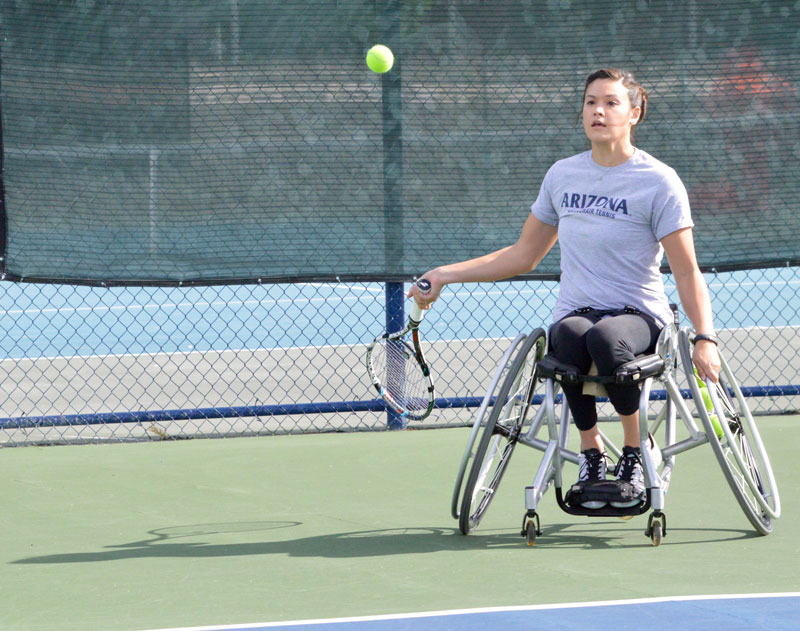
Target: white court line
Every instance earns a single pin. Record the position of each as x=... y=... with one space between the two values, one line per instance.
x=179 y=305
x=751 y=283
x=360 y=346
x=456 y=612
x=364 y=288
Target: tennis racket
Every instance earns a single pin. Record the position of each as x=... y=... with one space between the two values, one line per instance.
x=398 y=369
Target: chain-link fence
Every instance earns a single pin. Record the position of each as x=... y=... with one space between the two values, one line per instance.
x=230 y=141
x=124 y=363
x=201 y=199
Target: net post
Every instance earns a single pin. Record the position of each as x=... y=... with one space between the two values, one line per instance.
x=395 y=317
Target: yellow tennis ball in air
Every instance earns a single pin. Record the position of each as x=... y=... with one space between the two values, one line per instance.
x=380 y=59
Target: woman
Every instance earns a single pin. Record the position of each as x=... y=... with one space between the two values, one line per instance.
x=615 y=211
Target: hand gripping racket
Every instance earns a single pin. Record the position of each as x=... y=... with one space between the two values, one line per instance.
x=398 y=369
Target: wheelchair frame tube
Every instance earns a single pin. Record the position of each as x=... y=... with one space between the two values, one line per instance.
x=544 y=477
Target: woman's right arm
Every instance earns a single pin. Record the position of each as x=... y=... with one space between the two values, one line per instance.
x=534 y=242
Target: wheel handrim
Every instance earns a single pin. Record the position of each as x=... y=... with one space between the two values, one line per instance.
x=744 y=450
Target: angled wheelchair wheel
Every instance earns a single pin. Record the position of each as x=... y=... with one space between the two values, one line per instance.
x=504 y=425
x=481 y=416
x=736 y=442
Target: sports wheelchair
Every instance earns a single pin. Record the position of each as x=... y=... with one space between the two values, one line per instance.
x=520 y=408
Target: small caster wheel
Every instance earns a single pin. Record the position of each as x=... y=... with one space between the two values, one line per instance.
x=530 y=533
x=530 y=527
x=656 y=527
x=656 y=533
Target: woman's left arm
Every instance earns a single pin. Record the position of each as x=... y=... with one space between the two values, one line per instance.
x=692 y=289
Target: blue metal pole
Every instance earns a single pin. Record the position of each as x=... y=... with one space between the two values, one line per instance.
x=391 y=93
x=395 y=319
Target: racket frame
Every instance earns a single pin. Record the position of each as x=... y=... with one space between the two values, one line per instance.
x=415 y=350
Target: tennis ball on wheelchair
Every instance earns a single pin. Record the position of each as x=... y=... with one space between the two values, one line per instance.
x=704 y=392
x=380 y=59
x=709 y=404
x=710 y=408
x=716 y=425
x=706 y=397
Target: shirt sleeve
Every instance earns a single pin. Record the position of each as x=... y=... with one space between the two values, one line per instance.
x=671 y=209
x=543 y=208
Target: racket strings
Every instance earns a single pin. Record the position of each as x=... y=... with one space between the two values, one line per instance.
x=401 y=375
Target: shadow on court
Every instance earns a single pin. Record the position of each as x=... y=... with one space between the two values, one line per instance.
x=367 y=543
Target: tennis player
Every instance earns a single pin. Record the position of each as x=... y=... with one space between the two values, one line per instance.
x=615 y=211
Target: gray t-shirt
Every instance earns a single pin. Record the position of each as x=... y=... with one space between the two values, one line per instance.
x=610 y=221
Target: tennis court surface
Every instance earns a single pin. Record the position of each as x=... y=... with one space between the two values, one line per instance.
x=353 y=531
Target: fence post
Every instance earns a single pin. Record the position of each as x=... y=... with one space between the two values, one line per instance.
x=391 y=97
x=392 y=148
x=395 y=319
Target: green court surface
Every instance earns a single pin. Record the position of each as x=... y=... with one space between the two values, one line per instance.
x=212 y=532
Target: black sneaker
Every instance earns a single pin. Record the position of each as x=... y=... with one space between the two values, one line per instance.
x=629 y=470
x=591 y=468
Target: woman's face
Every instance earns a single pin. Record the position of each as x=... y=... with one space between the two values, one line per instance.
x=607 y=112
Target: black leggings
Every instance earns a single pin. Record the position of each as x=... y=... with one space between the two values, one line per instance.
x=610 y=339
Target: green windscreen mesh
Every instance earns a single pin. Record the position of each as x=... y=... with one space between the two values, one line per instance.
x=233 y=140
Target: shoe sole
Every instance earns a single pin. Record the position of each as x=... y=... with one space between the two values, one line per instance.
x=593 y=505
x=630 y=504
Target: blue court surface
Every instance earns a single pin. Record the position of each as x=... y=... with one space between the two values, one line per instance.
x=745 y=612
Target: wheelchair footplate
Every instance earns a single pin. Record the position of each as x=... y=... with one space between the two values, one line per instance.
x=604 y=491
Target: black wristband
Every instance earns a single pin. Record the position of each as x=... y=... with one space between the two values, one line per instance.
x=707 y=338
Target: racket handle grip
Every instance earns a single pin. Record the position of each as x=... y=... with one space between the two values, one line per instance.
x=415 y=313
